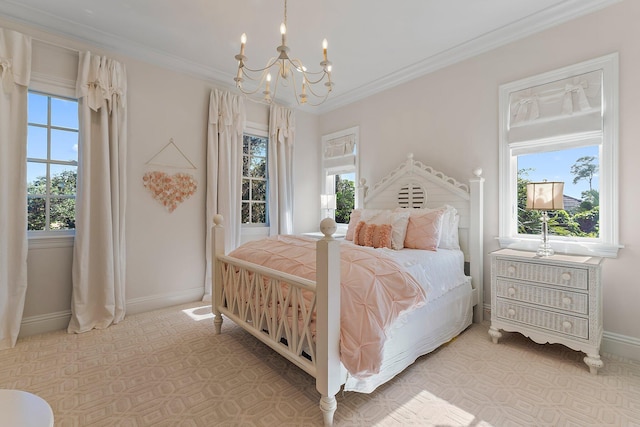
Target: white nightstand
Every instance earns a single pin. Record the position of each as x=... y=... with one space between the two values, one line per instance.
x=556 y=299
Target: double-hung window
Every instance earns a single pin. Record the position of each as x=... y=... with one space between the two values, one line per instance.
x=562 y=126
x=340 y=174
x=52 y=163
x=255 y=180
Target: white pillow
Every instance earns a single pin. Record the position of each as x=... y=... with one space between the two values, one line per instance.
x=354 y=219
x=398 y=221
x=449 y=238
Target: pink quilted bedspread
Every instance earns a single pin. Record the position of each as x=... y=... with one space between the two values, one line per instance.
x=376 y=290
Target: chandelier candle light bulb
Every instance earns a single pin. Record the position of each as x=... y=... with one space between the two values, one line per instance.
x=243 y=41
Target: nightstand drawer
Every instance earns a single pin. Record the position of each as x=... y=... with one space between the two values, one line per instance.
x=533 y=272
x=548 y=297
x=561 y=323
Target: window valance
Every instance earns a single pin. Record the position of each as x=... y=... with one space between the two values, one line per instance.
x=562 y=107
x=101 y=79
x=339 y=154
x=15 y=59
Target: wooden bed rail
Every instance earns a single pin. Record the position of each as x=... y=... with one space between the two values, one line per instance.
x=251 y=296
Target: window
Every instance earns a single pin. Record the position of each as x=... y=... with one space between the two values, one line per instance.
x=562 y=126
x=52 y=162
x=255 y=182
x=340 y=172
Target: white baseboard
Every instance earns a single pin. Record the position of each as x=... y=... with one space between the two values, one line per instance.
x=620 y=345
x=43 y=323
x=155 y=302
x=616 y=344
x=49 y=322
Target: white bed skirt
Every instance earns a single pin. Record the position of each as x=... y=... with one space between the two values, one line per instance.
x=422 y=331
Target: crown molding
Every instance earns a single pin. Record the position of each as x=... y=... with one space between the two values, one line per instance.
x=552 y=16
x=548 y=18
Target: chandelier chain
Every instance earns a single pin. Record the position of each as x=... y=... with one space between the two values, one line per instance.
x=285 y=13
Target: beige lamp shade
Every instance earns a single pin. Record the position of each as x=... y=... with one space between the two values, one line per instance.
x=545 y=196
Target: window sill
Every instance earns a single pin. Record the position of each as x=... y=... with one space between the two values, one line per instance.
x=600 y=249
x=50 y=242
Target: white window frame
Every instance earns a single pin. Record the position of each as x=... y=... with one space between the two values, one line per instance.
x=328 y=185
x=607 y=244
x=260 y=130
x=67 y=89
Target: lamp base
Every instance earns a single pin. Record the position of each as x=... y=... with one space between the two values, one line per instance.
x=544 y=249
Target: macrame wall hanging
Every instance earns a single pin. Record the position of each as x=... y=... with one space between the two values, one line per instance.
x=170 y=190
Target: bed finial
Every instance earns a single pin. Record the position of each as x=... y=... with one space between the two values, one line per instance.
x=477 y=172
x=328 y=227
x=217 y=219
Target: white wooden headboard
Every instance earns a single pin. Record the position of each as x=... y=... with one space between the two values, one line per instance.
x=413 y=184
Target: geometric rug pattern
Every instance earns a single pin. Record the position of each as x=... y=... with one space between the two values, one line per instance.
x=168 y=368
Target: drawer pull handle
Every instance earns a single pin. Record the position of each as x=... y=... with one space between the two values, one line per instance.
x=567 y=325
x=511 y=291
x=511 y=269
x=566 y=300
x=566 y=276
x=511 y=312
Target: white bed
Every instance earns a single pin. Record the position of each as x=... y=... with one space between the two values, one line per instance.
x=453 y=301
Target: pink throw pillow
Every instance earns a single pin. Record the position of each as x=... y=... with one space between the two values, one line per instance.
x=372 y=235
x=359 y=233
x=380 y=235
x=423 y=230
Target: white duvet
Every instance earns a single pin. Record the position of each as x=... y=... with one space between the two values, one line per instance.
x=437 y=271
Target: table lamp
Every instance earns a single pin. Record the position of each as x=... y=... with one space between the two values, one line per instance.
x=545 y=196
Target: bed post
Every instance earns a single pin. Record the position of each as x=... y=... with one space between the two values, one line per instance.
x=476 y=258
x=217 y=239
x=328 y=319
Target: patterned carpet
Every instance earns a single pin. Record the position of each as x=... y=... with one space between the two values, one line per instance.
x=167 y=368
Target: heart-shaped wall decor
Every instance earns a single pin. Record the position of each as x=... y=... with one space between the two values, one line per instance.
x=170 y=190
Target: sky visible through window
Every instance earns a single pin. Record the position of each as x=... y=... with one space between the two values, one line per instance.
x=64 y=144
x=556 y=166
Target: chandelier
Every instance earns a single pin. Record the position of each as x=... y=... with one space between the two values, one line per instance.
x=289 y=72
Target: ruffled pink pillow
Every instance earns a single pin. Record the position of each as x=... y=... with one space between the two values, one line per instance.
x=359 y=233
x=372 y=235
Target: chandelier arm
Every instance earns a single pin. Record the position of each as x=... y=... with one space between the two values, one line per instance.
x=270 y=64
x=316 y=73
x=324 y=98
x=317 y=95
x=248 y=92
x=313 y=82
x=276 y=84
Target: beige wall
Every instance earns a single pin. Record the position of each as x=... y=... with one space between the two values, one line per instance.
x=449 y=120
x=165 y=251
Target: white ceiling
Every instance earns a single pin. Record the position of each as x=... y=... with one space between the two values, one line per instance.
x=373 y=44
